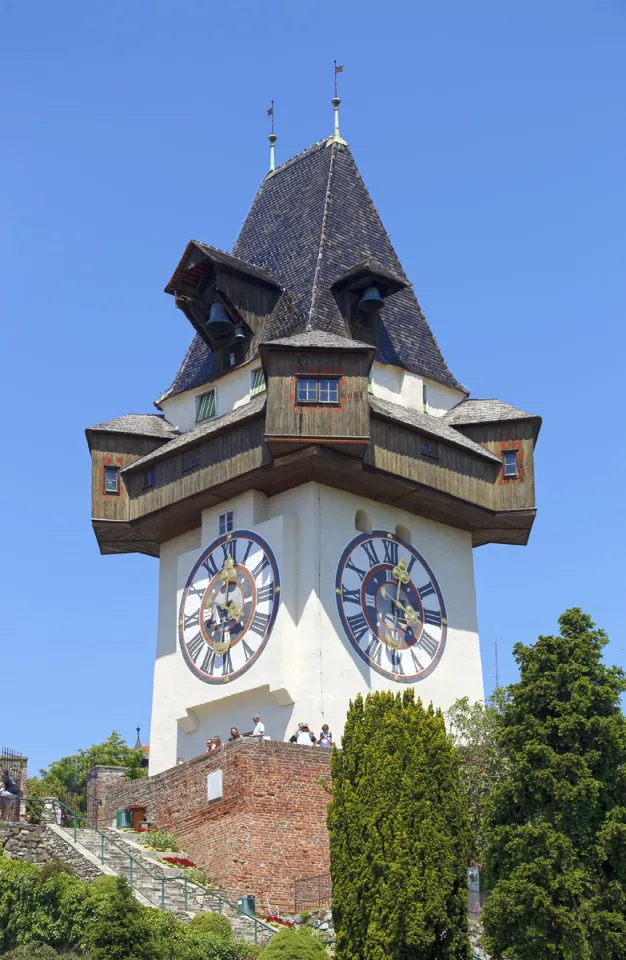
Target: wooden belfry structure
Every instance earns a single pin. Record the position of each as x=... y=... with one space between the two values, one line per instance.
x=317 y=477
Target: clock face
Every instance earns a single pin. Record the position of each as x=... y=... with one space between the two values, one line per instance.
x=391 y=606
x=228 y=607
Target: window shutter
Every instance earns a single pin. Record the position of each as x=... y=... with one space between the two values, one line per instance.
x=205 y=406
x=258 y=381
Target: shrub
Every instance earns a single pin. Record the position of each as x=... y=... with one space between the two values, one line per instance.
x=215 y=923
x=115 y=924
x=294 y=945
x=162 y=841
x=33 y=951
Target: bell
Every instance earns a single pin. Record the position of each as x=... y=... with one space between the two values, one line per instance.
x=240 y=335
x=219 y=325
x=371 y=300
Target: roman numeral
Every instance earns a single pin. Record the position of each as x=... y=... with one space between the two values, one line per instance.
x=193 y=620
x=396 y=664
x=260 y=567
x=227 y=663
x=426 y=590
x=210 y=565
x=196 y=591
x=359 y=626
x=416 y=663
x=428 y=643
x=375 y=650
x=350 y=596
x=410 y=566
x=259 y=623
x=350 y=566
x=248 y=651
x=370 y=550
x=209 y=661
x=194 y=646
x=247 y=553
x=391 y=552
x=265 y=593
x=229 y=549
x=432 y=616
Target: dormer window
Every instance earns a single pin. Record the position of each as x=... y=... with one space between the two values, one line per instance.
x=111 y=480
x=205 y=406
x=509 y=464
x=320 y=390
x=257 y=381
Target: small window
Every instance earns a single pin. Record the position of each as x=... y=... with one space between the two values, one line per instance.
x=257 y=381
x=429 y=448
x=509 y=463
x=111 y=480
x=424 y=397
x=149 y=478
x=205 y=406
x=318 y=390
x=227 y=522
x=191 y=461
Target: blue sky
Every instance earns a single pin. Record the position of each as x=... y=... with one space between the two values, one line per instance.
x=492 y=139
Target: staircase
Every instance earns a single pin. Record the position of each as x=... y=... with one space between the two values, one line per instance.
x=157 y=885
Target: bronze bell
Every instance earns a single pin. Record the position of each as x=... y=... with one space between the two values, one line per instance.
x=371 y=300
x=219 y=325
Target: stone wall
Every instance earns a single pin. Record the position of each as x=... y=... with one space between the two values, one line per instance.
x=39 y=844
x=266 y=830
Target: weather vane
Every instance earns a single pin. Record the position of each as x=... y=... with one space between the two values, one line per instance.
x=272 y=138
x=336 y=101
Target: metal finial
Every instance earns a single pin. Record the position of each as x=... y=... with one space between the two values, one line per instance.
x=335 y=102
x=272 y=139
x=138 y=741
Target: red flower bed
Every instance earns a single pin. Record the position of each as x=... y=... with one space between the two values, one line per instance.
x=143 y=830
x=274 y=918
x=178 y=861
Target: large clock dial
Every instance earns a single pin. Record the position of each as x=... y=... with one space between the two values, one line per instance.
x=228 y=606
x=391 y=606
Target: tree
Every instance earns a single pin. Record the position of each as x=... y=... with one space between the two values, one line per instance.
x=473 y=728
x=399 y=835
x=67 y=778
x=294 y=944
x=556 y=825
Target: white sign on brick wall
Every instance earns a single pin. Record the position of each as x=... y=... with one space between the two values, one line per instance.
x=214 y=785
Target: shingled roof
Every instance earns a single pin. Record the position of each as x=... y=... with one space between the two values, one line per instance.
x=485 y=411
x=141 y=424
x=312 y=221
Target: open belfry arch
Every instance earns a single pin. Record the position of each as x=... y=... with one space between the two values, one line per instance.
x=315 y=480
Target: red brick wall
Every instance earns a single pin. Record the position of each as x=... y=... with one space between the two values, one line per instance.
x=268 y=829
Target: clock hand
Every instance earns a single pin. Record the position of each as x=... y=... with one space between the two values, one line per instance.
x=227 y=575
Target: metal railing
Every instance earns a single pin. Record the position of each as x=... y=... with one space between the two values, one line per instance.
x=310 y=893
x=194 y=896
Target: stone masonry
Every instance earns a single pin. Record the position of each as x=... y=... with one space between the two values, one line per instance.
x=266 y=830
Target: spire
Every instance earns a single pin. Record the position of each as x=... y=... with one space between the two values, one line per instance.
x=336 y=137
x=272 y=139
x=138 y=741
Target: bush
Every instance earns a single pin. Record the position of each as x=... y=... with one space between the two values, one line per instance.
x=162 y=841
x=115 y=924
x=215 y=923
x=293 y=944
x=39 y=951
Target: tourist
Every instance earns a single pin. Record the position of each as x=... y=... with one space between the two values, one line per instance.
x=9 y=794
x=234 y=734
x=303 y=735
x=326 y=737
x=259 y=726
x=217 y=741
x=210 y=746
x=179 y=761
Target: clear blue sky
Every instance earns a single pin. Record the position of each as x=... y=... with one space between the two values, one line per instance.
x=492 y=138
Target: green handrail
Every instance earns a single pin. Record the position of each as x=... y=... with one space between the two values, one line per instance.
x=132 y=861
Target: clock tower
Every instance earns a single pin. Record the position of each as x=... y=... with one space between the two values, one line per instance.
x=316 y=479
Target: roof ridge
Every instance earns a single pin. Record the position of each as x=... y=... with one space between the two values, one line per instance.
x=320 y=251
x=296 y=158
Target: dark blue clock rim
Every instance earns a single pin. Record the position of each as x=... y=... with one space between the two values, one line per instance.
x=387 y=535
x=223 y=538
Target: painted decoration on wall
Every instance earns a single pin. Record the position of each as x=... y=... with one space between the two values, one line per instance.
x=229 y=606
x=391 y=606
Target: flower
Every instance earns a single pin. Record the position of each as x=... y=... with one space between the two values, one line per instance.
x=177 y=861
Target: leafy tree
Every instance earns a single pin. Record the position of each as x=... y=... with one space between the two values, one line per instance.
x=399 y=835
x=473 y=728
x=556 y=825
x=294 y=944
x=115 y=926
x=67 y=777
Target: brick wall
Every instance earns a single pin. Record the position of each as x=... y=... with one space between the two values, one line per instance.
x=267 y=830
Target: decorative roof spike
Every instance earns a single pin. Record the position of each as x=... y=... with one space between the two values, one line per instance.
x=272 y=139
x=138 y=741
x=336 y=137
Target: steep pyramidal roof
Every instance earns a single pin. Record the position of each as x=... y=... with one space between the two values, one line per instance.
x=311 y=221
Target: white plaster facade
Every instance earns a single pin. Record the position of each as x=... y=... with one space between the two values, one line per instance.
x=308 y=671
x=231 y=391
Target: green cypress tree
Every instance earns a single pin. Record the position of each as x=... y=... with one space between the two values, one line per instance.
x=556 y=824
x=399 y=835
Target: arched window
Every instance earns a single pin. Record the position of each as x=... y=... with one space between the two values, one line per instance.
x=403 y=533
x=362 y=521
